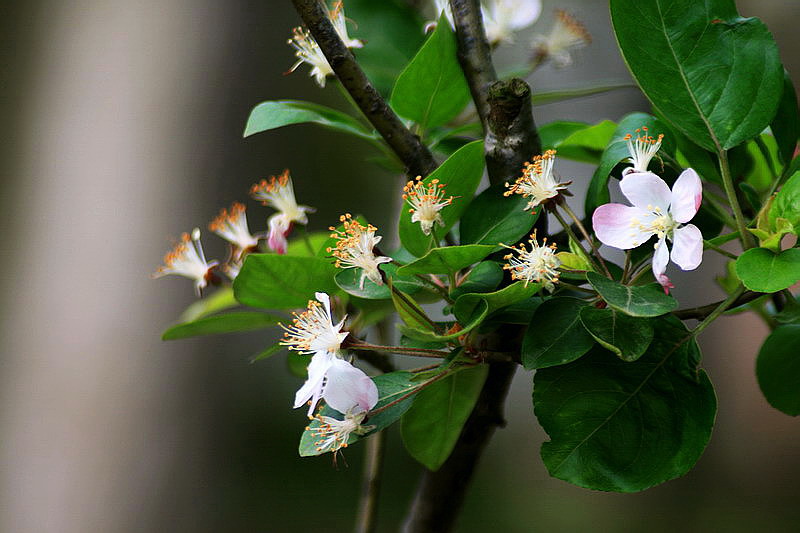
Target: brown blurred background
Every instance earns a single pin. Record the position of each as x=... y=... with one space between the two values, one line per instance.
x=122 y=129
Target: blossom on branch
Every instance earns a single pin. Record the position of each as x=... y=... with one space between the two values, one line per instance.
x=426 y=202
x=354 y=249
x=537 y=181
x=232 y=226
x=642 y=150
x=655 y=211
x=188 y=260
x=278 y=193
x=502 y=18
x=566 y=34
x=538 y=265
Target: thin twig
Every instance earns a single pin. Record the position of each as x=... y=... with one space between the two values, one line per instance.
x=405 y=350
x=704 y=311
x=371 y=483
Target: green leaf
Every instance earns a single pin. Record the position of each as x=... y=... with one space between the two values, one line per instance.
x=617 y=150
x=553 y=133
x=478 y=315
x=311 y=247
x=764 y=271
x=431 y=427
x=587 y=144
x=484 y=277
x=349 y=281
x=226 y=323
x=278 y=113
x=516 y=292
x=549 y=97
x=786 y=124
x=555 y=335
x=644 y=300
x=627 y=336
x=493 y=218
x=447 y=260
x=787 y=204
x=269 y=352
x=713 y=74
x=778 y=369
x=273 y=281
x=391 y=387
x=461 y=173
x=626 y=426
x=432 y=89
x=220 y=300
x=410 y=312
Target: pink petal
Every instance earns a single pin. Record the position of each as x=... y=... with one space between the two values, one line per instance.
x=348 y=387
x=660 y=260
x=278 y=230
x=613 y=225
x=687 y=194
x=647 y=191
x=312 y=388
x=687 y=247
x=664 y=281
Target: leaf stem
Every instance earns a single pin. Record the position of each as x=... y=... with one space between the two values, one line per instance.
x=712 y=246
x=405 y=350
x=582 y=229
x=721 y=308
x=730 y=192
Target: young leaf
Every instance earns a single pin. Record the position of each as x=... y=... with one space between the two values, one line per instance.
x=461 y=173
x=278 y=113
x=555 y=335
x=587 y=144
x=787 y=204
x=786 y=124
x=225 y=323
x=626 y=426
x=447 y=260
x=714 y=75
x=432 y=89
x=627 y=336
x=764 y=271
x=493 y=218
x=431 y=427
x=778 y=369
x=643 y=301
x=273 y=281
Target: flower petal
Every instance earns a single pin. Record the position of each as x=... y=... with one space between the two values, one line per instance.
x=525 y=12
x=347 y=387
x=687 y=194
x=647 y=191
x=660 y=259
x=687 y=247
x=278 y=229
x=313 y=387
x=614 y=226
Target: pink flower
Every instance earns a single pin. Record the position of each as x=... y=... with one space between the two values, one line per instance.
x=656 y=211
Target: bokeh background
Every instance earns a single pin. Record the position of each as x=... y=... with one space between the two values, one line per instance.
x=122 y=127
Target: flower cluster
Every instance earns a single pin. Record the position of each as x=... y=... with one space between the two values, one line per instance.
x=355 y=249
x=426 y=202
x=538 y=265
x=537 y=181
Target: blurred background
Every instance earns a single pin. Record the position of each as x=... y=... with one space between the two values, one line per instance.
x=122 y=129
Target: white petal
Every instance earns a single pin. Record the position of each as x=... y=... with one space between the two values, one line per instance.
x=660 y=259
x=614 y=226
x=687 y=194
x=687 y=247
x=646 y=191
x=347 y=387
x=312 y=388
x=525 y=12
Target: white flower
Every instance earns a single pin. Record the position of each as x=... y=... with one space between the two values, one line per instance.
x=308 y=51
x=656 y=211
x=537 y=181
x=278 y=193
x=504 y=17
x=187 y=260
x=334 y=434
x=232 y=226
x=642 y=150
x=426 y=202
x=538 y=265
x=340 y=25
x=354 y=249
x=566 y=33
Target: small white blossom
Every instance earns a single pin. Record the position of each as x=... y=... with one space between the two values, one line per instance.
x=567 y=33
x=504 y=17
x=187 y=260
x=232 y=226
x=334 y=434
x=539 y=264
x=340 y=25
x=278 y=193
x=642 y=150
x=537 y=181
x=354 y=249
x=426 y=202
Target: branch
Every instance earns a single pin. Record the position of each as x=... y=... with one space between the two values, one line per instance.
x=705 y=310
x=371 y=483
x=408 y=147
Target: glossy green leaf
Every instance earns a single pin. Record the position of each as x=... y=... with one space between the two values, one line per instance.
x=278 y=113
x=349 y=280
x=762 y=270
x=778 y=369
x=225 y=323
x=391 y=387
x=431 y=427
x=553 y=133
x=461 y=173
x=311 y=246
x=273 y=281
x=269 y=352
x=484 y=277
x=642 y=300
x=586 y=145
x=516 y=292
x=447 y=260
x=478 y=315
x=219 y=300
x=432 y=89
x=786 y=124
x=493 y=218
x=713 y=74
x=555 y=335
x=627 y=336
x=626 y=426
x=410 y=312
x=787 y=204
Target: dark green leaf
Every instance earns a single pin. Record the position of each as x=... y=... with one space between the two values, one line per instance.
x=627 y=336
x=461 y=173
x=432 y=89
x=226 y=323
x=273 y=281
x=478 y=315
x=447 y=260
x=431 y=427
x=764 y=271
x=626 y=426
x=484 y=277
x=277 y=113
x=493 y=218
x=516 y=292
x=644 y=300
x=716 y=76
x=778 y=369
x=786 y=124
x=349 y=281
x=555 y=335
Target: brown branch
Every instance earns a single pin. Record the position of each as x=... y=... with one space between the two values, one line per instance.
x=704 y=311
x=371 y=483
x=408 y=147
